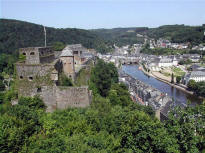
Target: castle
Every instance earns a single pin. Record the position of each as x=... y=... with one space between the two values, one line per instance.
x=38 y=74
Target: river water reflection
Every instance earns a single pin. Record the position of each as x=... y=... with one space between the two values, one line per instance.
x=178 y=95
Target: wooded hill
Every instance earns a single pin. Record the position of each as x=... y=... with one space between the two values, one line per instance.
x=174 y=33
x=121 y=36
x=15 y=34
x=179 y=33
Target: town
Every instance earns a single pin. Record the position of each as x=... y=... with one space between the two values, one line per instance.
x=102 y=76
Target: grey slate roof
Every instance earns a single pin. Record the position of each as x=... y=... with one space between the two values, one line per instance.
x=76 y=47
x=66 y=52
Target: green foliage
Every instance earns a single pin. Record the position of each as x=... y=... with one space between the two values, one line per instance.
x=58 y=46
x=6 y=63
x=2 y=86
x=178 y=33
x=191 y=85
x=64 y=80
x=102 y=76
x=1 y=97
x=174 y=33
x=178 y=79
x=119 y=95
x=113 y=123
x=17 y=124
x=83 y=76
x=197 y=87
x=121 y=36
x=186 y=125
x=187 y=61
x=22 y=58
x=25 y=34
x=32 y=103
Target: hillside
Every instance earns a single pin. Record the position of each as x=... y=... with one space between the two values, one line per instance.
x=15 y=34
x=175 y=33
x=121 y=36
x=179 y=33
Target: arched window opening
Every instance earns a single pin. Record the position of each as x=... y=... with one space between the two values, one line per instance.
x=32 y=53
x=30 y=78
x=39 y=89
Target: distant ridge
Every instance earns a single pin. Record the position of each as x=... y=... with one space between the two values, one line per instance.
x=15 y=34
x=174 y=33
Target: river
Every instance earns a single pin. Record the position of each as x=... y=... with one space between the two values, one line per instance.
x=179 y=96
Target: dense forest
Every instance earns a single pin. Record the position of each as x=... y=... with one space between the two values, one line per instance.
x=174 y=33
x=113 y=123
x=179 y=33
x=121 y=36
x=15 y=34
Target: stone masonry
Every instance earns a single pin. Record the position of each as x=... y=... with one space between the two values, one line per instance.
x=58 y=97
x=38 y=75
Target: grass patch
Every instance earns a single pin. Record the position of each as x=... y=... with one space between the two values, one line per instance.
x=177 y=71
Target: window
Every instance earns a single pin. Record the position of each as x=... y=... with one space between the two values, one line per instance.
x=39 y=89
x=32 y=53
x=75 y=62
x=24 y=53
x=70 y=76
x=75 y=52
x=21 y=77
x=30 y=78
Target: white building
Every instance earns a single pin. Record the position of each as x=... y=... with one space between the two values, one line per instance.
x=167 y=62
x=196 y=76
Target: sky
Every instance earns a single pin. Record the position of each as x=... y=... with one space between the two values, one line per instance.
x=93 y=14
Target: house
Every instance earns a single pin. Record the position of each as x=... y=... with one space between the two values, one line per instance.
x=167 y=62
x=192 y=57
x=194 y=75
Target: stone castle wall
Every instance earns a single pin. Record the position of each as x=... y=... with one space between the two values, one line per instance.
x=56 y=97
x=37 y=55
x=28 y=70
x=32 y=55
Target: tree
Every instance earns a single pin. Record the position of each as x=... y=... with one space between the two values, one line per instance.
x=101 y=78
x=178 y=79
x=58 y=46
x=34 y=103
x=113 y=72
x=191 y=85
x=172 y=78
x=186 y=125
x=2 y=86
x=64 y=80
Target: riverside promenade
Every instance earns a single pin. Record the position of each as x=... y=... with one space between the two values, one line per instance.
x=167 y=80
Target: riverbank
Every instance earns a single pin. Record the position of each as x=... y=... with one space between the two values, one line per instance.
x=160 y=78
x=167 y=81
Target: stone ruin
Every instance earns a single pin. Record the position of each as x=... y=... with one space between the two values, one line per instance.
x=38 y=74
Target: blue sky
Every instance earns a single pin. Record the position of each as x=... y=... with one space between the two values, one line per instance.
x=90 y=14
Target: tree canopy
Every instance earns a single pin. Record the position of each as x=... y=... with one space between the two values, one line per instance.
x=113 y=123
